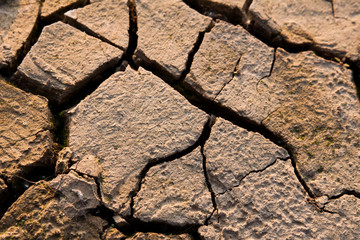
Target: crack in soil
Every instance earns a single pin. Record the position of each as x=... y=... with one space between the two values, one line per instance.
x=252 y=172
x=59 y=13
x=208 y=184
x=140 y=59
x=199 y=142
x=61 y=129
x=234 y=72
x=262 y=31
x=346 y=192
x=193 y=51
x=269 y=75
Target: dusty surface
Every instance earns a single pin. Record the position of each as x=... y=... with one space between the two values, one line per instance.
x=25 y=138
x=108 y=19
x=272 y=205
x=132 y=119
x=14 y=34
x=64 y=60
x=51 y=8
x=157 y=120
x=168 y=194
x=232 y=153
x=167 y=32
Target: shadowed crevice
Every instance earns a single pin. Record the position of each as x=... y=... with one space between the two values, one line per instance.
x=59 y=13
x=208 y=184
x=262 y=30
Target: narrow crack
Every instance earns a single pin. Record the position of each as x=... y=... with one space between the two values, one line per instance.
x=88 y=31
x=346 y=192
x=270 y=72
x=246 y=6
x=194 y=50
x=332 y=7
x=233 y=74
x=252 y=172
x=300 y=179
x=208 y=184
x=133 y=37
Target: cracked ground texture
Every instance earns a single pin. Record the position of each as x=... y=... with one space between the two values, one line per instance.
x=193 y=119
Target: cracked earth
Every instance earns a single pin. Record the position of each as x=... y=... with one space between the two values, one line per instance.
x=193 y=119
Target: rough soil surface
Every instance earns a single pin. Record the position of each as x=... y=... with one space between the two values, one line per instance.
x=14 y=34
x=226 y=52
x=319 y=117
x=155 y=236
x=314 y=23
x=55 y=210
x=168 y=194
x=168 y=31
x=272 y=205
x=179 y=119
x=25 y=137
x=131 y=120
x=108 y=19
x=232 y=153
x=64 y=60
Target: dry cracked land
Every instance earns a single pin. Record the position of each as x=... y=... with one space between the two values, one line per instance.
x=179 y=119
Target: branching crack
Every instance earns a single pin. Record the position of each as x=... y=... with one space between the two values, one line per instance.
x=200 y=141
x=140 y=59
x=261 y=29
x=252 y=172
